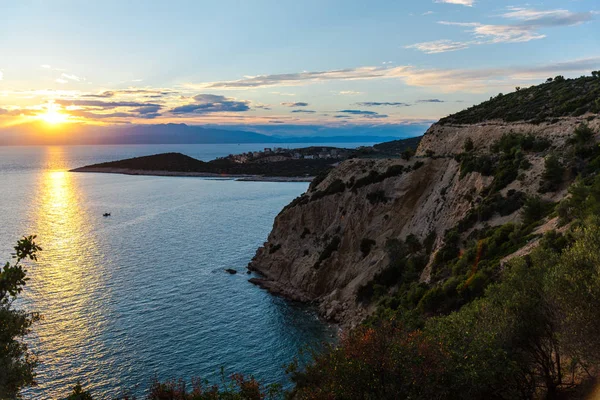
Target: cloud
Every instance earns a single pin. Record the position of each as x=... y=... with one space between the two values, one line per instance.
x=304 y=111
x=45 y=66
x=149 y=93
x=439 y=46
x=348 y=92
x=211 y=103
x=366 y=114
x=59 y=80
x=526 y=28
x=431 y=101
x=105 y=94
x=106 y=105
x=446 y=80
x=428 y=13
x=71 y=77
x=16 y=112
x=296 y=104
x=151 y=111
x=485 y=79
x=1 y=75
x=468 y=3
x=300 y=78
x=378 y=104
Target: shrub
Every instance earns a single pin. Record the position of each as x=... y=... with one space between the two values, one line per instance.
x=377 y=197
x=275 y=248
x=534 y=210
x=553 y=174
x=408 y=154
x=468 y=145
x=365 y=246
x=17 y=363
x=331 y=247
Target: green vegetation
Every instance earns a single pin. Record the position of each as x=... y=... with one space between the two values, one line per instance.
x=553 y=174
x=396 y=148
x=376 y=197
x=531 y=333
x=17 y=363
x=329 y=249
x=376 y=177
x=365 y=246
x=507 y=158
x=559 y=97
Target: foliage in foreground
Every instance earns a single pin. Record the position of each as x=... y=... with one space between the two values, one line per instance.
x=17 y=363
x=238 y=388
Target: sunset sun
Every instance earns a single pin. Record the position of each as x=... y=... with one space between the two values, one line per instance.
x=53 y=116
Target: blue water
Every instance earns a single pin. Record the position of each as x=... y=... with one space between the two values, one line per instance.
x=143 y=293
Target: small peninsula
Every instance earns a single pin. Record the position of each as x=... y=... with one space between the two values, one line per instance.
x=271 y=164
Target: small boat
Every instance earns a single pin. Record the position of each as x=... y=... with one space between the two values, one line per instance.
x=106 y=215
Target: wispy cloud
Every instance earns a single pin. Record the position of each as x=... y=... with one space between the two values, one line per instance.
x=362 y=113
x=1 y=75
x=299 y=78
x=384 y=103
x=468 y=3
x=527 y=24
x=304 y=111
x=149 y=93
x=102 y=104
x=71 y=77
x=211 y=103
x=295 y=104
x=439 y=46
x=431 y=101
x=348 y=92
x=447 y=80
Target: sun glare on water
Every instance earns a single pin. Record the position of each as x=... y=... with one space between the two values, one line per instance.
x=53 y=116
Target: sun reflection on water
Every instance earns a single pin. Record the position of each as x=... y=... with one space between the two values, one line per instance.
x=64 y=282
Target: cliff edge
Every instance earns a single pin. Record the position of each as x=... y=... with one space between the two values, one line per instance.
x=468 y=175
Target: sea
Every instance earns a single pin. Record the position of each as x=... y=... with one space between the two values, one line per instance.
x=143 y=294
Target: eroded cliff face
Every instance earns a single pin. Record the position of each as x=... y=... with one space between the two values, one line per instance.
x=328 y=243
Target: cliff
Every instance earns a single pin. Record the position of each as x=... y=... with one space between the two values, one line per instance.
x=335 y=239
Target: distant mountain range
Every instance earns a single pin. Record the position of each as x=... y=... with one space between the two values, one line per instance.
x=183 y=134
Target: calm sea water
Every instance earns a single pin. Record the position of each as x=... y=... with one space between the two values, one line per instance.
x=143 y=293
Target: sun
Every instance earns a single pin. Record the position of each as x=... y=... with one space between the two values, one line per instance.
x=53 y=116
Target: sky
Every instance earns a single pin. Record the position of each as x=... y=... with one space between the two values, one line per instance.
x=280 y=63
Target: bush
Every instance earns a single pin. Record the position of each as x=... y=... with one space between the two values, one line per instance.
x=468 y=145
x=17 y=363
x=408 y=154
x=365 y=246
x=553 y=174
x=534 y=210
x=331 y=247
x=377 y=197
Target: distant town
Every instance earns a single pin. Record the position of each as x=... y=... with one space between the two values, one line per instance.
x=276 y=154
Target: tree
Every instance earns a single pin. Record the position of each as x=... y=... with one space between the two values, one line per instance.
x=468 y=145
x=79 y=394
x=408 y=153
x=553 y=174
x=16 y=361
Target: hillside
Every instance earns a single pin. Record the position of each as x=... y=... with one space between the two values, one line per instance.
x=375 y=234
x=559 y=97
